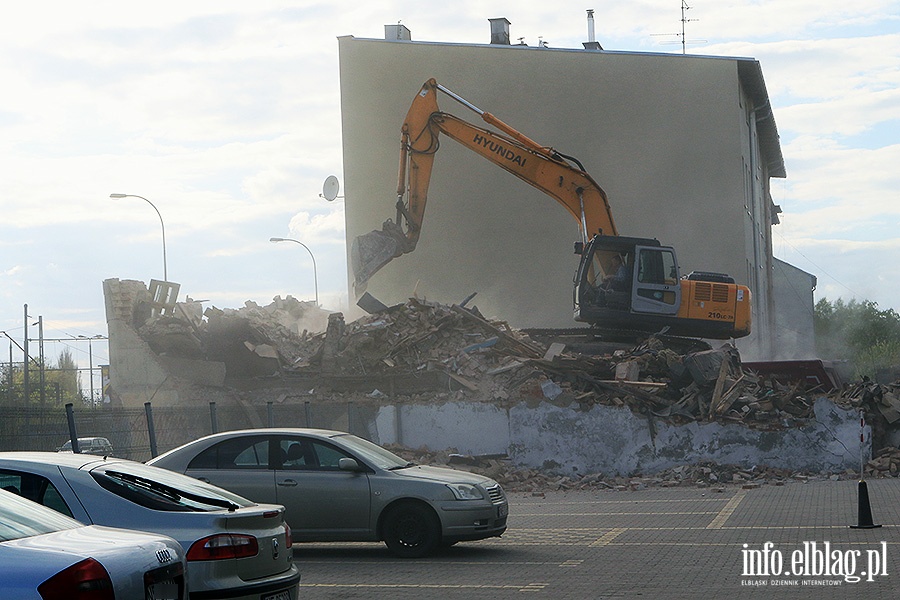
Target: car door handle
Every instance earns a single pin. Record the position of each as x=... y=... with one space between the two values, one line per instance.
x=288 y=483
x=203 y=479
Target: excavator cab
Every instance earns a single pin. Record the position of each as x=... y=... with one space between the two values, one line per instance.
x=656 y=287
x=623 y=282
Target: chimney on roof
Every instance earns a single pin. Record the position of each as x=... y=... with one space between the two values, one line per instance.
x=397 y=32
x=592 y=43
x=500 y=31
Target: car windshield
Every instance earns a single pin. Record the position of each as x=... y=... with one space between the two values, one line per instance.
x=21 y=518
x=151 y=485
x=372 y=453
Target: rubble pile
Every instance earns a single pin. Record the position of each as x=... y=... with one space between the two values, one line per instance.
x=494 y=362
x=418 y=336
x=885 y=463
x=278 y=332
x=660 y=377
x=486 y=360
x=286 y=324
x=883 y=398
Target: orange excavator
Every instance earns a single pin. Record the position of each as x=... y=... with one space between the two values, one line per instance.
x=621 y=283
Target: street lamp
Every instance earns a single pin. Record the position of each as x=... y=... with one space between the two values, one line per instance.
x=165 y=272
x=315 y=275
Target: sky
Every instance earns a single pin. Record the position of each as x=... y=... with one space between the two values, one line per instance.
x=224 y=116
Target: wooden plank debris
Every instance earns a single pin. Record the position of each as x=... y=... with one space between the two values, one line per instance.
x=491 y=360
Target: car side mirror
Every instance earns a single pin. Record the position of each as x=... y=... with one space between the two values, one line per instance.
x=348 y=464
x=579 y=247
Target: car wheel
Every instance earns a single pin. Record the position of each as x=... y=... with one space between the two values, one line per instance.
x=411 y=530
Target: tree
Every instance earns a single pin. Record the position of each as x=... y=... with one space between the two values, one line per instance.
x=62 y=377
x=9 y=393
x=859 y=333
x=66 y=375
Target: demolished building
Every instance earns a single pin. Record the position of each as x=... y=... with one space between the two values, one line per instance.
x=444 y=378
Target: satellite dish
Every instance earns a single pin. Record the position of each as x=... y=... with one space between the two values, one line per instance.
x=330 y=188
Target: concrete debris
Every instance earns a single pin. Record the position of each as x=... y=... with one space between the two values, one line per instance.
x=418 y=336
x=496 y=362
x=886 y=463
x=490 y=361
x=253 y=341
x=660 y=377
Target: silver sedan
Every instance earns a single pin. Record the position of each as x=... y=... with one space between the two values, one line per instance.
x=339 y=487
x=45 y=555
x=235 y=548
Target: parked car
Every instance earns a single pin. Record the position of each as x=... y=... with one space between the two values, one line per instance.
x=45 y=555
x=98 y=446
x=339 y=487
x=235 y=548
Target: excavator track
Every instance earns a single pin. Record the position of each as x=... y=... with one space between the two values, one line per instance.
x=593 y=340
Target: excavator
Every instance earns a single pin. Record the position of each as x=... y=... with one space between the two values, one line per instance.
x=621 y=283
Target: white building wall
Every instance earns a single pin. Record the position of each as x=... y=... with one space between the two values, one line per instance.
x=666 y=136
x=795 y=331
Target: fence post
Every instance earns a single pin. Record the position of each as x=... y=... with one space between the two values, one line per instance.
x=306 y=409
x=213 y=421
x=270 y=414
x=151 y=430
x=73 y=435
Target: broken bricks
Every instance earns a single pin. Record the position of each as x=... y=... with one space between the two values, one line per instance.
x=491 y=360
x=458 y=348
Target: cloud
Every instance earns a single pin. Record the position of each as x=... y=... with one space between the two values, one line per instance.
x=15 y=270
x=837 y=190
x=320 y=228
x=226 y=115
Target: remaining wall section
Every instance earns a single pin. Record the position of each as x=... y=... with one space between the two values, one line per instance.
x=615 y=441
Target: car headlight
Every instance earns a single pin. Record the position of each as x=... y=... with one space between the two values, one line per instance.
x=465 y=491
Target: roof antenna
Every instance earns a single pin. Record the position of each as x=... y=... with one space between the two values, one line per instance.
x=684 y=22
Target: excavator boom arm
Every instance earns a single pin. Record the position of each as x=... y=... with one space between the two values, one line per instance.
x=539 y=166
x=574 y=189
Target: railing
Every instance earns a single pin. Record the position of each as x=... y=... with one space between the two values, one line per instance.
x=133 y=432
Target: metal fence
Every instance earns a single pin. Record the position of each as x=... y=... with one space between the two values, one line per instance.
x=133 y=432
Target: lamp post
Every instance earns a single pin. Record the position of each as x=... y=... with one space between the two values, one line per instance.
x=91 y=362
x=163 y=225
x=315 y=275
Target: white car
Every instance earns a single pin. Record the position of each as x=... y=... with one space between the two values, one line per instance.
x=235 y=548
x=48 y=556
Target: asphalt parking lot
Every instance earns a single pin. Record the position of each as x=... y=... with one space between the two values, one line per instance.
x=654 y=543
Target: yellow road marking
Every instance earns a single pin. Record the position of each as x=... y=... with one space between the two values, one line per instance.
x=621 y=513
x=438 y=586
x=609 y=536
x=572 y=563
x=712 y=498
x=727 y=511
x=530 y=587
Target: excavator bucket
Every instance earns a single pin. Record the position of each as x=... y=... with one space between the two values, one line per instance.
x=371 y=251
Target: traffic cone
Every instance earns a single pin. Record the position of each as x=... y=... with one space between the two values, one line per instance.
x=864 y=517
